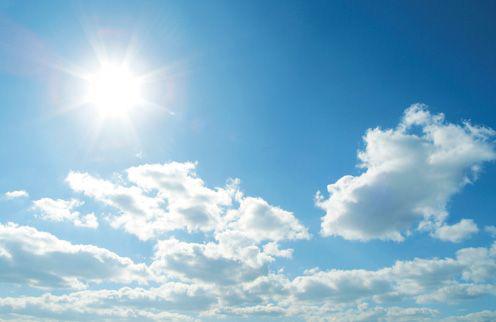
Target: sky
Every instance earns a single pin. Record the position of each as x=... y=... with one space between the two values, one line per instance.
x=247 y=161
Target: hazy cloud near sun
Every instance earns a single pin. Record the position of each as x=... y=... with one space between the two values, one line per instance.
x=410 y=174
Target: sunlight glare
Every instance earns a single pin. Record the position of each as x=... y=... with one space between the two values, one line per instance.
x=114 y=90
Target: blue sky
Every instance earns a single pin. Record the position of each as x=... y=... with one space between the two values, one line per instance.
x=202 y=196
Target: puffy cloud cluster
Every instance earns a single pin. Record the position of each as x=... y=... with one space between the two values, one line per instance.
x=470 y=274
x=404 y=291
x=223 y=269
x=63 y=210
x=410 y=174
x=257 y=220
x=154 y=199
x=159 y=198
x=385 y=294
x=208 y=262
x=169 y=302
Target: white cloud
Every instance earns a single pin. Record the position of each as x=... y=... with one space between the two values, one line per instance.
x=491 y=230
x=482 y=316
x=239 y=253
x=189 y=201
x=216 y=285
x=479 y=263
x=259 y=221
x=411 y=172
x=362 y=312
x=458 y=292
x=457 y=232
x=208 y=262
x=232 y=272
x=59 y=210
x=471 y=274
x=272 y=249
x=16 y=194
x=139 y=214
x=341 y=285
x=39 y=259
x=157 y=198
x=168 y=302
x=331 y=295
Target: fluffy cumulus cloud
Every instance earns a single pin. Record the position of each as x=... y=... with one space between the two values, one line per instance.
x=39 y=259
x=470 y=274
x=457 y=232
x=218 y=254
x=208 y=263
x=169 y=302
x=405 y=291
x=154 y=199
x=14 y=194
x=259 y=221
x=64 y=210
x=410 y=174
x=241 y=250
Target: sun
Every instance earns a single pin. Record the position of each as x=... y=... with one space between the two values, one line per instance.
x=114 y=90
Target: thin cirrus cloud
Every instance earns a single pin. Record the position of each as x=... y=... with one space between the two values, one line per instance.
x=410 y=174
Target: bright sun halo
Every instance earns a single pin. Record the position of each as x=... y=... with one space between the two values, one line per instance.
x=114 y=90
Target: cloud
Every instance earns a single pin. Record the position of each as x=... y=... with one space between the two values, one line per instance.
x=9 y=195
x=458 y=292
x=208 y=262
x=471 y=273
x=228 y=266
x=213 y=284
x=244 y=246
x=138 y=214
x=59 y=210
x=157 y=198
x=39 y=259
x=482 y=316
x=410 y=174
x=332 y=294
x=259 y=221
x=363 y=312
x=189 y=201
x=491 y=230
x=168 y=302
x=457 y=232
